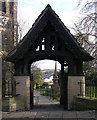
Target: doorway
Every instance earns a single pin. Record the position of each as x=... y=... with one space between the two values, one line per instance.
x=45 y=93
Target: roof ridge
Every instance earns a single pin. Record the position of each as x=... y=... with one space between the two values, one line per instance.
x=48 y=5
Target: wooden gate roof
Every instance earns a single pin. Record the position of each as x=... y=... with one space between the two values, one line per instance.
x=48 y=15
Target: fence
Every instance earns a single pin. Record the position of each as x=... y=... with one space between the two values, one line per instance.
x=91 y=88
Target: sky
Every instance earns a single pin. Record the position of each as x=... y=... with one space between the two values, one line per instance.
x=29 y=10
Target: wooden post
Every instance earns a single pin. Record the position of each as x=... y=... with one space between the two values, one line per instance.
x=63 y=88
x=31 y=91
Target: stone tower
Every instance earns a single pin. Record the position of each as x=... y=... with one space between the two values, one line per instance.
x=8 y=34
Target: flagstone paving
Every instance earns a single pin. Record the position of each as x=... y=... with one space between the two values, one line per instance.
x=47 y=109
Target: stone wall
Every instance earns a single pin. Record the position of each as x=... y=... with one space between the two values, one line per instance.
x=23 y=91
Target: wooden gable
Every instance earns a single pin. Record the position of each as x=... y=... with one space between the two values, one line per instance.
x=48 y=34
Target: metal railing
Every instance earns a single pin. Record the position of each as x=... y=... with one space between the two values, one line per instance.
x=91 y=88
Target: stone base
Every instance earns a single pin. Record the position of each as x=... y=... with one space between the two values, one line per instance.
x=22 y=92
x=76 y=87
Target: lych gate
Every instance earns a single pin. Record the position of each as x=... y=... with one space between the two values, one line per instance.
x=49 y=39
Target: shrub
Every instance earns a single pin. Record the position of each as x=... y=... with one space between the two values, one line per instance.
x=85 y=103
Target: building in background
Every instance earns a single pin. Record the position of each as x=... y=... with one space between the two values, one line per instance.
x=9 y=39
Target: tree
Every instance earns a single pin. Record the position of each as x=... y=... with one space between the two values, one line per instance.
x=86 y=34
x=89 y=70
x=23 y=26
x=88 y=25
x=37 y=75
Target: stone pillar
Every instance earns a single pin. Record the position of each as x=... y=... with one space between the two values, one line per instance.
x=76 y=87
x=22 y=92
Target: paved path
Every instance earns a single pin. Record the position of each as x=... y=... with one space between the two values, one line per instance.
x=46 y=108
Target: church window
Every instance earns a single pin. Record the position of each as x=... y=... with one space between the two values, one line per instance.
x=4 y=7
x=11 y=4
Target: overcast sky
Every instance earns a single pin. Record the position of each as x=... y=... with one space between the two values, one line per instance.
x=29 y=10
